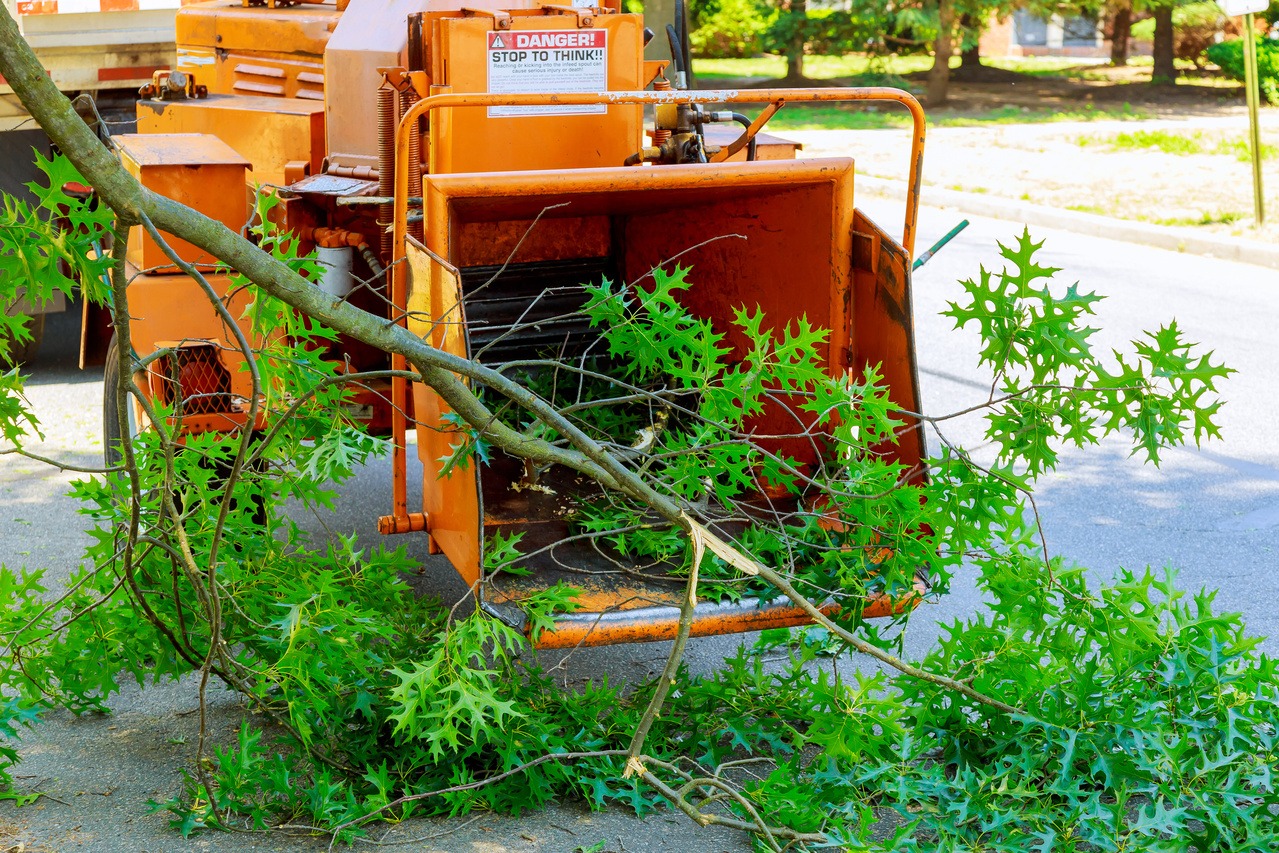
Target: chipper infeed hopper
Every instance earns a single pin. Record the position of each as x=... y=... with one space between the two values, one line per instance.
x=499 y=269
x=475 y=169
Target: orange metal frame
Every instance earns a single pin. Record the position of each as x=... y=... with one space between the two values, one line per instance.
x=401 y=520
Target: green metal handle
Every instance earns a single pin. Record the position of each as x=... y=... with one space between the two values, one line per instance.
x=923 y=259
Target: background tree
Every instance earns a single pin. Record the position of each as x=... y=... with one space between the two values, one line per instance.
x=728 y=28
x=794 y=17
x=943 y=48
x=789 y=28
x=1178 y=29
x=972 y=27
x=960 y=23
x=1120 y=31
x=1163 y=49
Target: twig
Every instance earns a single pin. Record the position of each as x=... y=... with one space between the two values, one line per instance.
x=471 y=786
x=703 y=819
x=384 y=843
x=687 y=607
x=64 y=466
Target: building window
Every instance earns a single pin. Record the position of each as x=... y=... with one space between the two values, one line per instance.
x=1029 y=29
x=1079 y=31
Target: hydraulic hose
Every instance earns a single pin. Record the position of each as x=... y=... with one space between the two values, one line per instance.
x=677 y=55
x=370 y=258
x=746 y=123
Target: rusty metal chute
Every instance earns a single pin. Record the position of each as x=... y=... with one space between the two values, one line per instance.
x=781 y=235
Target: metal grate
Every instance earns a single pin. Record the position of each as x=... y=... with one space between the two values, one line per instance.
x=198 y=378
x=529 y=310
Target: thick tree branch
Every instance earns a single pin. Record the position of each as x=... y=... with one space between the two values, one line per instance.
x=440 y=370
x=132 y=202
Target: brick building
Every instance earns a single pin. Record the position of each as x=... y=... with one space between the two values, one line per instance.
x=1025 y=34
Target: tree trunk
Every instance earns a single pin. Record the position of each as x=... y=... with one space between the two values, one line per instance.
x=939 y=76
x=795 y=50
x=971 y=55
x=1120 y=33
x=795 y=63
x=1165 y=67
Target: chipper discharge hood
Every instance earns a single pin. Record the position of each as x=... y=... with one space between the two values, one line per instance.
x=479 y=167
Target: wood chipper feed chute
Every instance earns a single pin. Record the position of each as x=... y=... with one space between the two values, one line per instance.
x=498 y=248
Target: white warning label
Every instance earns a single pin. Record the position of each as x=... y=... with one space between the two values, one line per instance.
x=553 y=61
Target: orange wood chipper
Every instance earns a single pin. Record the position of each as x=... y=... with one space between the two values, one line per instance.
x=426 y=138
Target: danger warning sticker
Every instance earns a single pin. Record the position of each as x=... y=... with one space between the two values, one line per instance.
x=555 y=61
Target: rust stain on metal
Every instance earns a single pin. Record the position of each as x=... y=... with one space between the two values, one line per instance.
x=655 y=624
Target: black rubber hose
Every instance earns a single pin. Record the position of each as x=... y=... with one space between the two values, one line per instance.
x=746 y=123
x=681 y=27
x=677 y=55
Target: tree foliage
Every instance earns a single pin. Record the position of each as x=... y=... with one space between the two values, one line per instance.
x=1229 y=56
x=1141 y=719
x=728 y=28
x=1067 y=716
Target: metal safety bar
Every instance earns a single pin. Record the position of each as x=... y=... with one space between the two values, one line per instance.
x=399 y=386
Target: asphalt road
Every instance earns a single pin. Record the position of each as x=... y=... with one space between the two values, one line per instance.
x=1211 y=513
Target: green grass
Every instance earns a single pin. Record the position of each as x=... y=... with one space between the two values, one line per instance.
x=1243 y=151
x=1043 y=66
x=726 y=72
x=826 y=67
x=1089 y=208
x=1078 y=68
x=1205 y=219
x=1169 y=143
x=816 y=67
x=1181 y=144
x=829 y=117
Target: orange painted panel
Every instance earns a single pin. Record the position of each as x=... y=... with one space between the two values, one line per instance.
x=132 y=72
x=885 y=334
x=229 y=25
x=462 y=58
x=195 y=169
x=451 y=503
x=516 y=241
x=234 y=50
x=793 y=264
x=268 y=132
x=796 y=260
x=174 y=308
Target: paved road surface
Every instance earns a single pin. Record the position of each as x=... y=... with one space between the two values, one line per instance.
x=1211 y=513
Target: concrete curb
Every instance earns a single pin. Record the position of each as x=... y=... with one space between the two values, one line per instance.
x=1161 y=236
